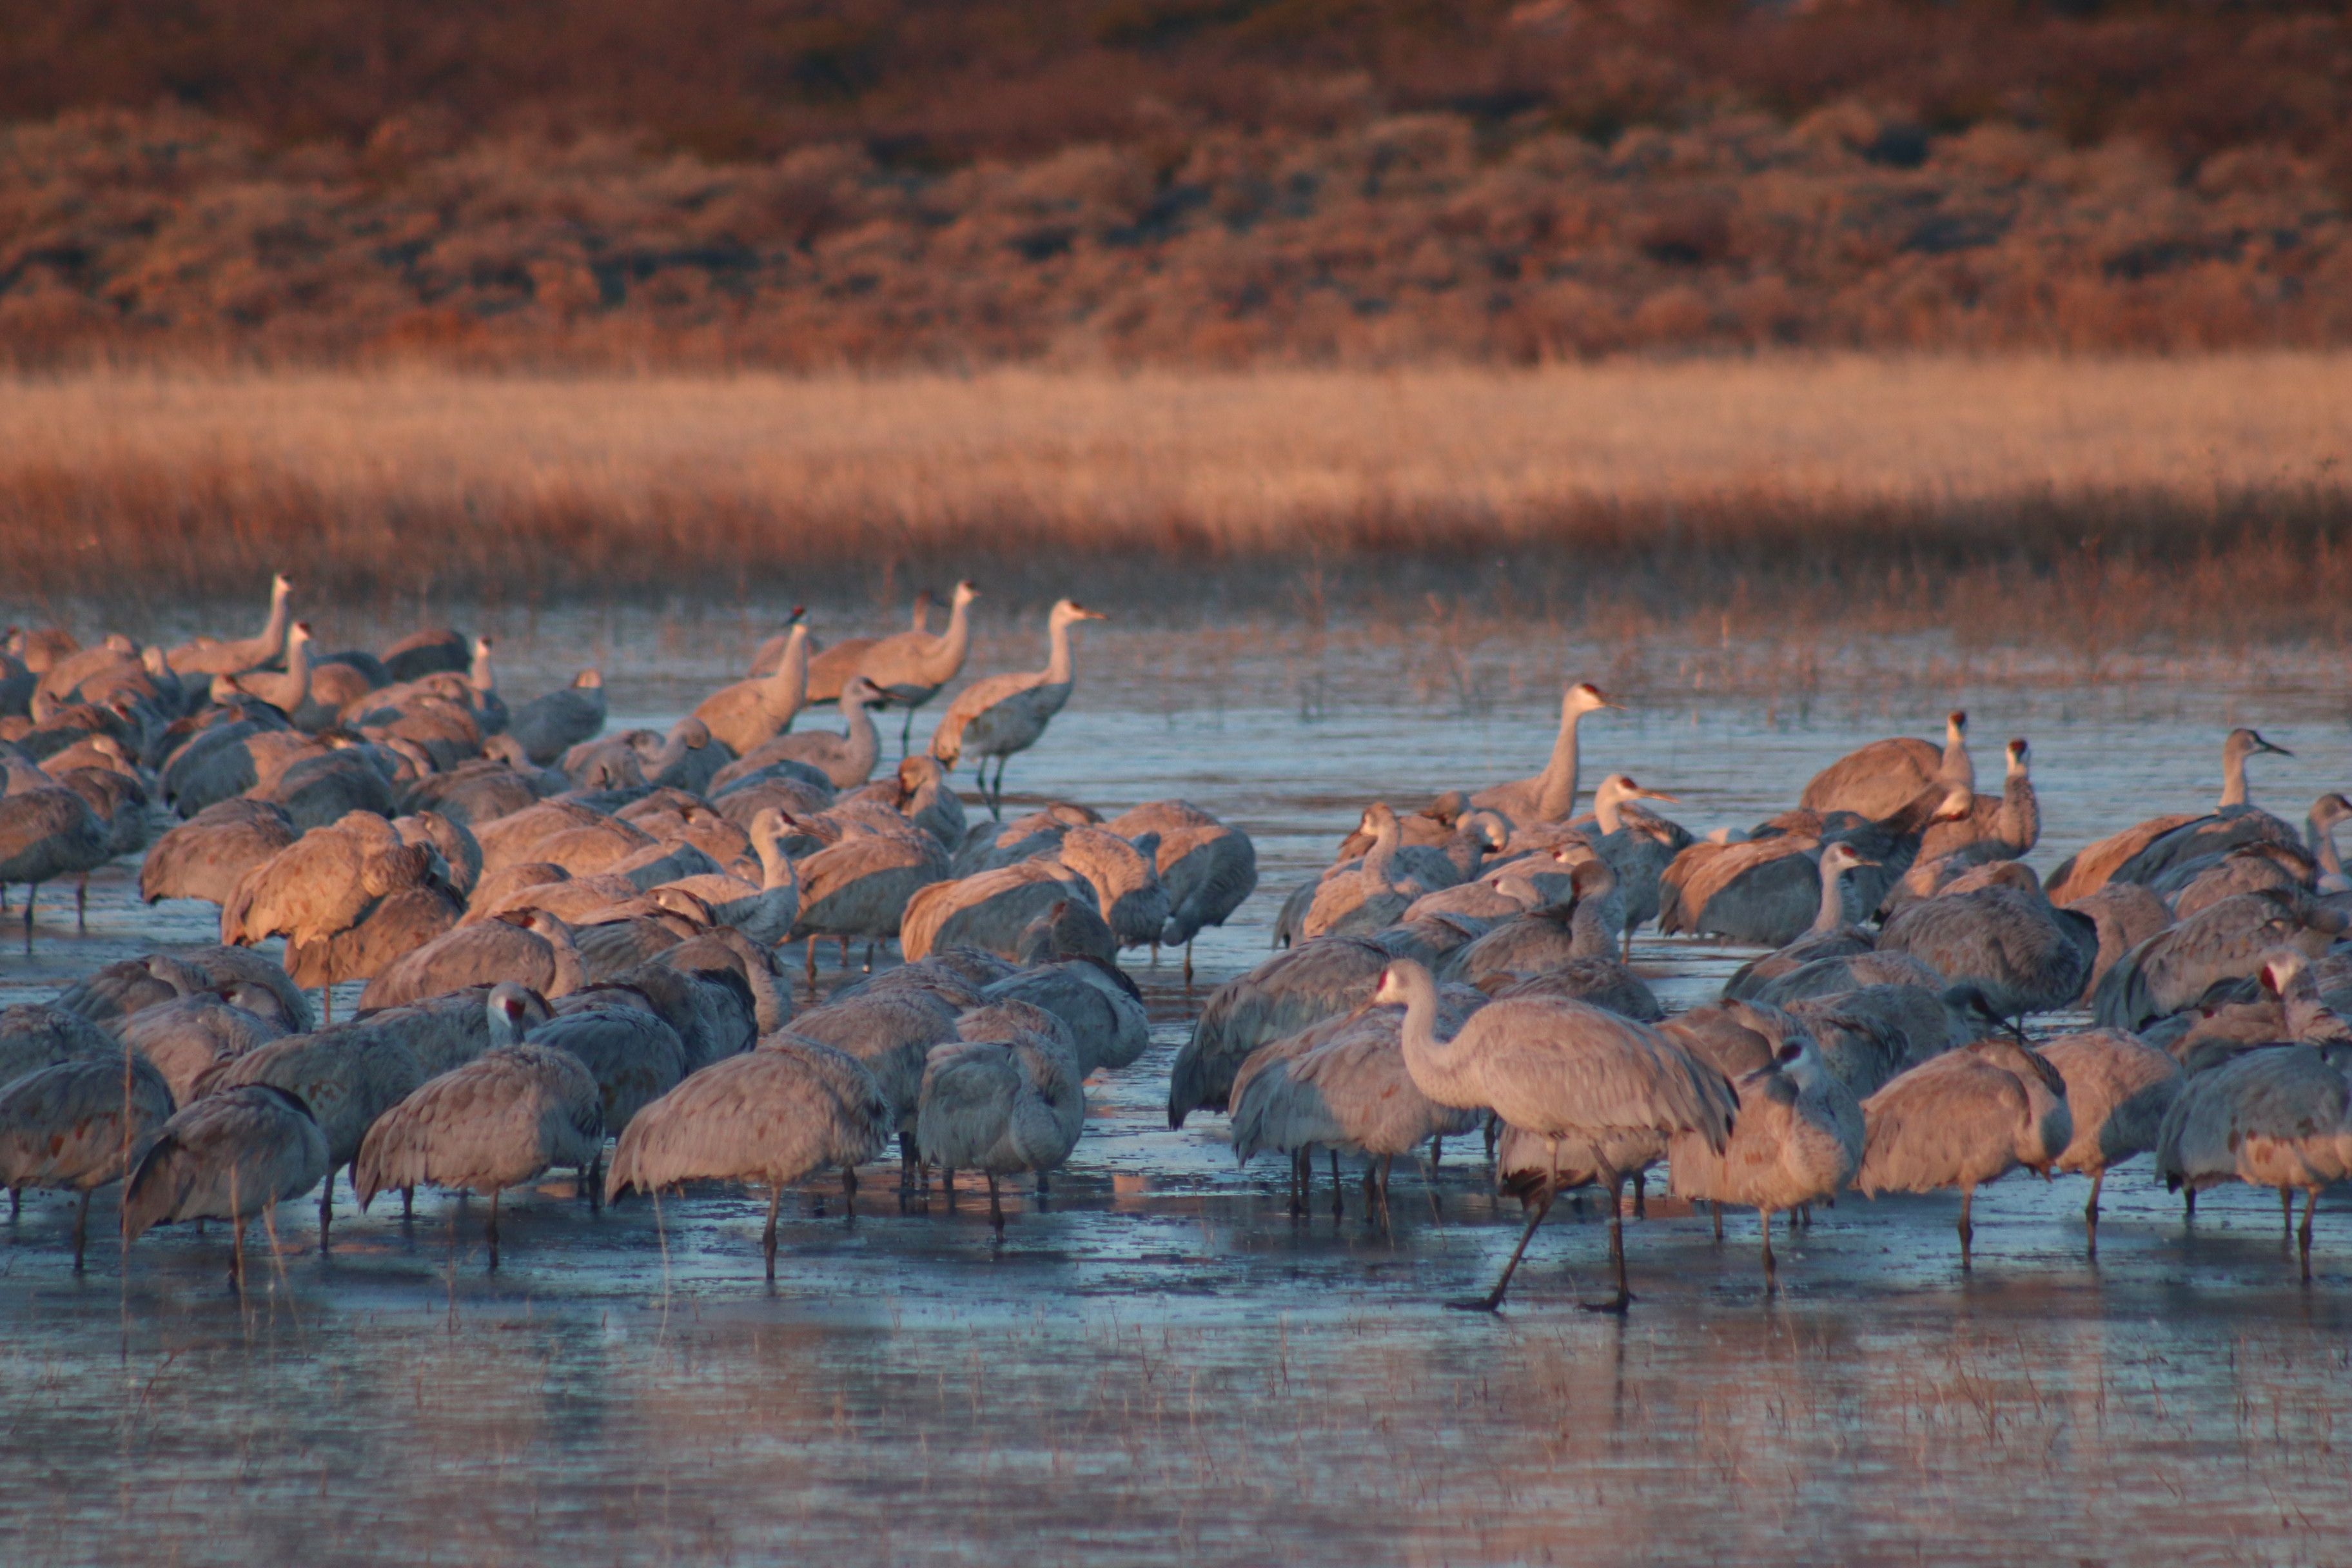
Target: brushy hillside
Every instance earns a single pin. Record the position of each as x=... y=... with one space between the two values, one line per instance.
x=1164 y=182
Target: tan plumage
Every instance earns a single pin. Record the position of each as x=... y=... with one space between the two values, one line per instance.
x=636 y=1059
x=1885 y=777
x=346 y=1077
x=2280 y=1117
x=548 y=725
x=1006 y=1098
x=989 y=910
x=35 y=1034
x=771 y=1117
x=1294 y=989
x=1798 y=1140
x=861 y=886
x=749 y=713
x=538 y=953
x=891 y=1034
x=1206 y=868
x=206 y=856
x=1963 y=1119
x=216 y=656
x=2118 y=1088
x=188 y=1037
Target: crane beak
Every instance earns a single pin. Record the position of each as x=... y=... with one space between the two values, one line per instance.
x=2265 y=745
x=1657 y=794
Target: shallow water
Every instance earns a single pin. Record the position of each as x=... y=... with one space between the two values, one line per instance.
x=1161 y=1363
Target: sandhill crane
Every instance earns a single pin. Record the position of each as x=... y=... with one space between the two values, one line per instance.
x=115 y=991
x=2229 y=940
x=190 y=1035
x=352 y=900
x=1963 y=1119
x=1560 y=950
x=78 y=1125
x=1006 y=1098
x=748 y=715
x=990 y=911
x=548 y=725
x=228 y=1156
x=2005 y=827
x=913 y=665
x=1002 y=714
x=765 y=911
x=1342 y=1085
x=1125 y=878
x=2276 y=1116
x=286 y=691
x=1638 y=844
x=35 y=1034
x=2196 y=884
x=861 y=888
x=1885 y=777
x=536 y=952
x=1612 y=1089
x=1206 y=868
x=497 y=1121
x=636 y=1056
x=2126 y=914
x=47 y=831
x=1999 y=931
x=423 y=653
x=831 y=667
x=1374 y=895
x=1767 y=890
x=1549 y=795
x=204 y=856
x=447 y=1031
x=1836 y=932
x=2125 y=855
x=2118 y=1088
x=889 y=1034
x=846 y=760
x=1295 y=988
x=773 y=1118
x=214 y=655
x=1798 y=1140
x=346 y=1077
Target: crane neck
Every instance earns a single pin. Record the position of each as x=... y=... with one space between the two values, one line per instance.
x=1606 y=814
x=1058 y=669
x=1589 y=928
x=777 y=870
x=786 y=692
x=281 y=617
x=1836 y=893
x=2234 y=777
x=1556 y=785
x=2319 y=834
x=957 y=642
x=297 y=671
x=1380 y=860
x=1429 y=1063
x=480 y=677
x=1957 y=769
x=569 y=975
x=2021 y=813
x=864 y=745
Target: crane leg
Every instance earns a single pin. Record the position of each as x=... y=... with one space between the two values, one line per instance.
x=32 y=891
x=2286 y=1212
x=1641 y=1195
x=326 y=1210
x=2302 y=1237
x=906 y=1162
x=1718 y=1225
x=809 y=946
x=2188 y=1206
x=768 y=1241
x=995 y=1208
x=326 y=1003
x=1388 y=1166
x=82 y=1228
x=1967 y=1231
x=1792 y=1221
x=2091 y=1209
x=1436 y=1154
x=849 y=1195
x=593 y=1180
x=237 y=1255
x=1771 y=1266
x=845 y=954
x=1338 y=1209
x=81 y=905
x=494 y=1230
x=1429 y=1180
x=947 y=1185
x=1299 y=1176
x=906 y=734
x=1624 y=1297
x=1188 y=961
x=407 y=1205
x=16 y=1204
x=1493 y=1299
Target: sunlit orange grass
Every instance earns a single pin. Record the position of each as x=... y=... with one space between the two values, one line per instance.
x=2112 y=500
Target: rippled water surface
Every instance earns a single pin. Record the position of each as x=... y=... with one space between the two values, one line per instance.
x=1164 y=1364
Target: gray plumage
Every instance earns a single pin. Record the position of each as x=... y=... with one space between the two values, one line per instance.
x=889 y=1034
x=548 y=726
x=2277 y=1117
x=2126 y=856
x=989 y=910
x=846 y=760
x=1353 y=902
x=117 y=990
x=447 y=1031
x=636 y=1057
x=47 y=831
x=1885 y=777
x=1579 y=1078
x=1107 y=1025
x=860 y=887
x=1637 y=844
x=2126 y=914
x=35 y=1034
x=346 y=1077
x=427 y=652
x=228 y=1156
x=2002 y=935
x=1549 y=795
x=1000 y=715
x=1342 y=1085
x=79 y=1124
x=1003 y=1100
x=2230 y=940
x=1125 y=878
x=1836 y=933
x=1295 y=988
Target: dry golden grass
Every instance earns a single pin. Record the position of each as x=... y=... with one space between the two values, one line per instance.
x=1899 y=484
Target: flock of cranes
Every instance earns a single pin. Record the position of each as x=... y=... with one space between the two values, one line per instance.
x=570 y=943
